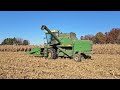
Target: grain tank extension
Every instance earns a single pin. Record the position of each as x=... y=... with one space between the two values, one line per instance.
x=63 y=45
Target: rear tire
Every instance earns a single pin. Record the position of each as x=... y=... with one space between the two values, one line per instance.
x=77 y=58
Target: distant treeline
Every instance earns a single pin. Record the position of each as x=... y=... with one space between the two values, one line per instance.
x=112 y=37
x=15 y=41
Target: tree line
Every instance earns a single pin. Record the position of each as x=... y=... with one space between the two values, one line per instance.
x=112 y=37
x=15 y=41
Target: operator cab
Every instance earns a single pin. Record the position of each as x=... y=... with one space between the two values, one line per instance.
x=50 y=39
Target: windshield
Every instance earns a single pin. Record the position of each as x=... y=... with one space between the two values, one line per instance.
x=48 y=36
x=50 y=39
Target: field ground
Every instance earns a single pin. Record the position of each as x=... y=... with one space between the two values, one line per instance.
x=18 y=65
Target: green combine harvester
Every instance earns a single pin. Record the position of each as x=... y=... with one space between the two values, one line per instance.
x=63 y=45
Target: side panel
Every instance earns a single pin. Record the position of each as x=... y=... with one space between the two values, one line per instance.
x=65 y=40
x=84 y=46
x=65 y=51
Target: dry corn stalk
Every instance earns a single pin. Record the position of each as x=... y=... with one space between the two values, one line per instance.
x=106 y=49
x=97 y=48
x=16 y=48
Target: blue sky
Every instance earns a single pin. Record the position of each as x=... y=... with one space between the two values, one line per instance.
x=27 y=24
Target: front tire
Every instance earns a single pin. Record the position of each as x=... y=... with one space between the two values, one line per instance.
x=52 y=53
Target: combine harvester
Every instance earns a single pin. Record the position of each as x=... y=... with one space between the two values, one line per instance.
x=63 y=45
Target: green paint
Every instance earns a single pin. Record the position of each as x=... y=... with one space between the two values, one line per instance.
x=35 y=51
x=84 y=46
x=45 y=50
x=65 y=52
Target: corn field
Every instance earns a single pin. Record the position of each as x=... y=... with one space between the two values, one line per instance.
x=97 y=48
x=106 y=49
x=16 y=48
x=15 y=64
x=18 y=65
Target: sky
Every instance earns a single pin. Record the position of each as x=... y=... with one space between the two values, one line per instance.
x=27 y=24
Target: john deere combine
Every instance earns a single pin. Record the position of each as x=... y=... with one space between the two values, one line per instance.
x=63 y=45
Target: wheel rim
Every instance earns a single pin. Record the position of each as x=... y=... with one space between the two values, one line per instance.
x=76 y=58
x=49 y=55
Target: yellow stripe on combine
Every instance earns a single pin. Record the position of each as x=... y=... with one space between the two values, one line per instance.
x=52 y=31
x=66 y=45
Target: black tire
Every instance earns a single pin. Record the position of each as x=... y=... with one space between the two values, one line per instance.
x=52 y=53
x=77 y=58
x=88 y=57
